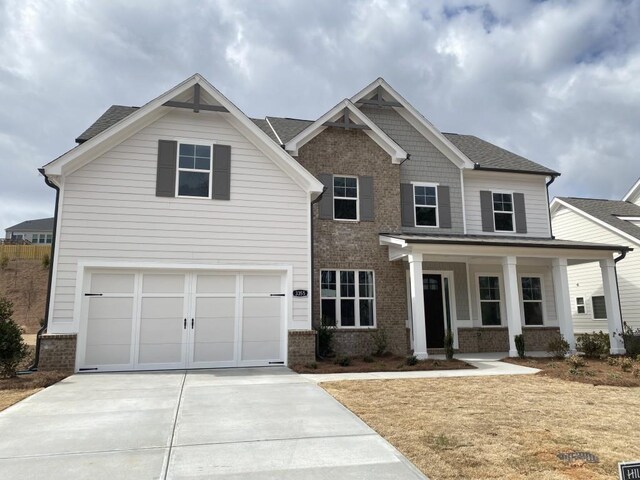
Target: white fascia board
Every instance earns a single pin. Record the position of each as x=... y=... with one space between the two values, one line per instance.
x=397 y=153
x=633 y=194
x=387 y=240
x=557 y=203
x=419 y=122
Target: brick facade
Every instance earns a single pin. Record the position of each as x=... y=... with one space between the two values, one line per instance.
x=355 y=245
x=57 y=352
x=301 y=347
x=536 y=339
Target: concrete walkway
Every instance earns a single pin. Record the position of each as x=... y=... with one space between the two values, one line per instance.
x=264 y=423
x=486 y=364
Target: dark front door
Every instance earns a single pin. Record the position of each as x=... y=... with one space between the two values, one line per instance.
x=433 y=310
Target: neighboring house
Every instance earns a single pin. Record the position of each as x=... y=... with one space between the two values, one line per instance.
x=611 y=221
x=184 y=237
x=38 y=231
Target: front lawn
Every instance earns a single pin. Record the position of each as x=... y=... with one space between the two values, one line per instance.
x=507 y=427
x=384 y=363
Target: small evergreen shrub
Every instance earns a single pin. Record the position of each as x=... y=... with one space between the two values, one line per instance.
x=368 y=359
x=311 y=365
x=559 y=347
x=13 y=349
x=448 y=345
x=631 y=339
x=576 y=361
x=45 y=260
x=626 y=364
x=325 y=340
x=343 y=361
x=380 y=341
x=519 y=339
x=411 y=360
x=4 y=261
x=612 y=361
x=593 y=344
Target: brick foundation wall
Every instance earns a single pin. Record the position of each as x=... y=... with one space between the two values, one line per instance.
x=355 y=245
x=302 y=347
x=473 y=340
x=57 y=352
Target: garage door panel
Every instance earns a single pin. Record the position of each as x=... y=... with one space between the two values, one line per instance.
x=161 y=330
x=108 y=354
x=109 y=330
x=160 y=353
x=261 y=321
x=112 y=282
x=109 y=307
x=162 y=307
x=262 y=284
x=252 y=351
x=213 y=352
x=215 y=330
x=163 y=283
x=216 y=284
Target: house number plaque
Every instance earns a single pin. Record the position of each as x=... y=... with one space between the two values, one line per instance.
x=300 y=293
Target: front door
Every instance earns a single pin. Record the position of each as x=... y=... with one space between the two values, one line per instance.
x=433 y=310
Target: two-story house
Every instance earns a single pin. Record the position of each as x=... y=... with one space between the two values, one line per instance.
x=190 y=236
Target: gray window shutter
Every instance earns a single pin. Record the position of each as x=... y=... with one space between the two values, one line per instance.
x=365 y=184
x=221 y=172
x=325 y=206
x=486 y=210
x=520 y=212
x=166 y=171
x=406 y=205
x=444 y=207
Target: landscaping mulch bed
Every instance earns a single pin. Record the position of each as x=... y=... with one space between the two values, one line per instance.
x=594 y=372
x=385 y=363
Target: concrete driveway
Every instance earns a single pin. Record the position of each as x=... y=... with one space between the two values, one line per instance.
x=265 y=423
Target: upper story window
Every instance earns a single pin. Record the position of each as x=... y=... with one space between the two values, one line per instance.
x=194 y=171
x=426 y=205
x=45 y=238
x=345 y=198
x=503 y=212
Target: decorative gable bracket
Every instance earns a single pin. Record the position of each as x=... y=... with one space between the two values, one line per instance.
x=196 y=105
x=346 y=123
x=378 y=101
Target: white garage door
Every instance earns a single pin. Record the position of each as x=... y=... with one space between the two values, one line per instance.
x=139 y=320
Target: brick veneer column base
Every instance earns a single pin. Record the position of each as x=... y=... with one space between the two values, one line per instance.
x=302 y=347
x=473 y=340
x=57 y=352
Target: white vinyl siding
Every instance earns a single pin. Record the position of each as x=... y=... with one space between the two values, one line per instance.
x=586 y=280
x=110 y=212
x=535 y=199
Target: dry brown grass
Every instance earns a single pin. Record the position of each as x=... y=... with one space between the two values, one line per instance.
x=24 y=282
x=499 y=427
x=385 y=363
x=9 y=397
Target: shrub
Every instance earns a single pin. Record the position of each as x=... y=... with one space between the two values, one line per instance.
x=593 y=344
x=325 y=340
x=631 y=339
x=519 y=339
x=636 y=372
x=559 y=347
x=343 y=361
x=13 y=350
x=448 y=345
x=45 y=260
x=612 y=361
x=576 y=361
x=411 y=360
x=626 y=364
x=380 y=341
x=4 y=261
x=368 y=359
x=311 y=365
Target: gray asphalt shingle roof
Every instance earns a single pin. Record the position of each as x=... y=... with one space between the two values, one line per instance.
x=287 y=128
x=608 y=211
x=113 y=115
x=37 y=225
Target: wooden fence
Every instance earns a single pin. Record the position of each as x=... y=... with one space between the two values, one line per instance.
x=28 y=252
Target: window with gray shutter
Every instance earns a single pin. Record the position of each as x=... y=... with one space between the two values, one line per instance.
x=520 y=212
x=325 y=205
x=444 y=207
x=366 y=199
x=406 y=205
x=166 y=169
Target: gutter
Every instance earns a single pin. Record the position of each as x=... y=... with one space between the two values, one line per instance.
x=477 y=166
x=623 y=254
x=553 y=179
x=49 y=183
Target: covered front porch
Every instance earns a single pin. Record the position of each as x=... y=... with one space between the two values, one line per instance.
x=488 y=289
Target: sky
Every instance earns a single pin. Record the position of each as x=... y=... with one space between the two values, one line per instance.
x=555 y=81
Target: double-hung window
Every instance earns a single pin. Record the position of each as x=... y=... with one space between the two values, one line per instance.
x=347 y=298
x=345 y=198
x=599 y=307
x=489 y=287
x=580 y=307
x=426 y=205
x=194 y=171
x=532 y=300
x=503 y=212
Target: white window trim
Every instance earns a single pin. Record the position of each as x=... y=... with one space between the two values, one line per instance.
x=415 y=219
x=513 y=212
x=178 y=169
x=357 y=199
x=543 y=299
x=593 y=310
x=501 y=301
x=357 y=298
x=584 y=304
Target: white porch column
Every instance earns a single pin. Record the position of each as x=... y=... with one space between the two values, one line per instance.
x=512 y=302
x=563 y=300
x=417 y=306
x=614 y=320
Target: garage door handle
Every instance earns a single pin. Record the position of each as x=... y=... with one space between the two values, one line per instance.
x=277 y=294
x=185 y=323
x=192 y=320
x=92 y=294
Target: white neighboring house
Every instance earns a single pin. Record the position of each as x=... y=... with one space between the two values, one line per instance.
x=607 y=221
x=182 y=232
x=38 y=231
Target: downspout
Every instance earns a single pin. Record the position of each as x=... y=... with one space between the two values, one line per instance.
x=615 y=270
x=553 y=179
x=36 y=360
x=313 y=273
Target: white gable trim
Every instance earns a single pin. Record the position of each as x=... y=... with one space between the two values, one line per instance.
x=556 y=204
x=152 y=111
x=398 y=155
x=419 y=122
x=634 y=194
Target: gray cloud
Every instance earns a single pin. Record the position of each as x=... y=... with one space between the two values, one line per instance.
x=555 y=81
